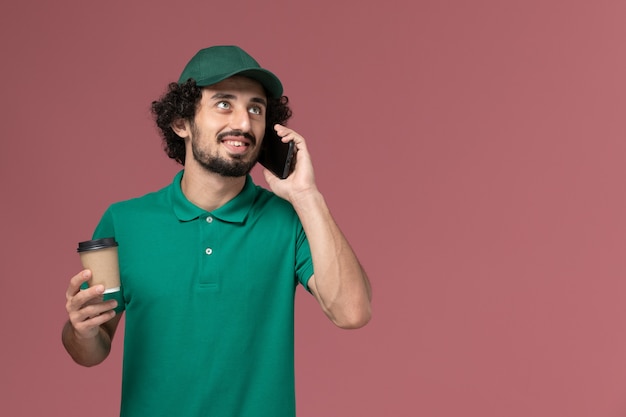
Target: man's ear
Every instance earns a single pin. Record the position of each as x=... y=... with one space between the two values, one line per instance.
x=181 y=127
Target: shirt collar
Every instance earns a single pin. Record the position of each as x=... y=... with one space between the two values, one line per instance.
x=234 y=211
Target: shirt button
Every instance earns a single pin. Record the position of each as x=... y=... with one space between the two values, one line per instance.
x=208 y=251
x=209 y=219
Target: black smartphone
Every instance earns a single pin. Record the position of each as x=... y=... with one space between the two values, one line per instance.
x=277 y=156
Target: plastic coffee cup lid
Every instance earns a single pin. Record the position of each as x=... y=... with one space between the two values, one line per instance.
x=104 y=243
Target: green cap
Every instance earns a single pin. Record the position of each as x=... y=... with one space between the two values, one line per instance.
x=212 y=65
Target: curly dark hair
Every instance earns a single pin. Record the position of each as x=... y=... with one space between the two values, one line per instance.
x=181 y=101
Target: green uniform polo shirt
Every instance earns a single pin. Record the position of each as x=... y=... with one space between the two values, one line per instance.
x=209 y=301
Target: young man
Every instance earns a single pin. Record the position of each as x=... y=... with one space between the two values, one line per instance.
x=209 y=264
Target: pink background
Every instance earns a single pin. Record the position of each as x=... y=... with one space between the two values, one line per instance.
x=473 y=153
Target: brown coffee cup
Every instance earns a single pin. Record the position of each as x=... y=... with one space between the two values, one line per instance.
x=100 y=256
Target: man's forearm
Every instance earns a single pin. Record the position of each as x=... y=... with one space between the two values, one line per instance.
x=341 y=284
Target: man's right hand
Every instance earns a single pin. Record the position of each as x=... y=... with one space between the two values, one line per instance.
x=85 y=308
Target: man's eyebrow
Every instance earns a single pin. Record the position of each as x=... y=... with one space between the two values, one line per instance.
x=259 y=100
x=223 y=95
x=233 y=97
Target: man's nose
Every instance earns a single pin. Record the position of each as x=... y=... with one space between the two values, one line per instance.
x=240 y=120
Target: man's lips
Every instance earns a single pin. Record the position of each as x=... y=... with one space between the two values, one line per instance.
x=236 y=142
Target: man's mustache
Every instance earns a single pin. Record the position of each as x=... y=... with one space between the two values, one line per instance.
x=236 y=133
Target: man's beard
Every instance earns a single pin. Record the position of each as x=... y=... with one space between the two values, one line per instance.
x=235 y=166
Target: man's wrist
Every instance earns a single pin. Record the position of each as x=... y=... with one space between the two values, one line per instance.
x=308 y=200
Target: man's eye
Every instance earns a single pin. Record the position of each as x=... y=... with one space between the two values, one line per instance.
x=256 y=110
x=223 y=105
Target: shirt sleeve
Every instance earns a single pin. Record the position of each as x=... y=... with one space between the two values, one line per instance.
x=304 y=262
x=105 y=228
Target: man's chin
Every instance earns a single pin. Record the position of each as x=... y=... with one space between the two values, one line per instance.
x=226 y=166
x=230 y=170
